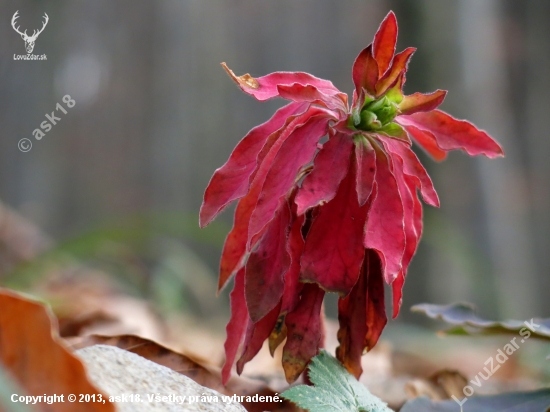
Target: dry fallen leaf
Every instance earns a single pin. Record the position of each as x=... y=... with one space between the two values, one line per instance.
x=36 y=357
x=88 y=302
x=442 y=385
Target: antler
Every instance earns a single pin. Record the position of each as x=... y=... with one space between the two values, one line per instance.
x=36 y=33
x=14 y=18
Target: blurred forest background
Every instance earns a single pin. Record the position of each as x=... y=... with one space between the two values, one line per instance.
x=118 y=182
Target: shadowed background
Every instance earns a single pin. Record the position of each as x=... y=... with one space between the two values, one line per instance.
x=155 y=115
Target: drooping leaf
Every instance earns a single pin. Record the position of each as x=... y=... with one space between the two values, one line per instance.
x=304 y=332
x=385 y=226
x=295 y=247
x=384 y=42
x=452 y=134
x=408 y=198
x=413 y=167
x=234 y=249
x=419 y=102
x=256 y=334
x=329 y=168
x=365 y=158
x=236 y=327
x=334 y=390
x=265 y=87
x=333 y=252
x=536 y=401
x=267 y=264
x=278 y=334
x=376 y=309
x=465 y=321
x=410 y=249
x=397 y=293
x=293 y=287
x=295 y=152
x=361 y=315
x=231 y=181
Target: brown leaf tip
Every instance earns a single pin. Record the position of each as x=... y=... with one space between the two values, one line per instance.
x=245 y=80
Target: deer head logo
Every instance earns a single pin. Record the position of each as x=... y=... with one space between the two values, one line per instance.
x=29 y=40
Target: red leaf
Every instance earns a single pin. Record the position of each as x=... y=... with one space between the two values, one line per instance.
x=307 y=93
x=256 y=334
x=399 y=65
x=418 y=225
x=419 y=102
x=408 y=211
x=397 y=285
x=304 y=332
x=295 y=247
x=407 y=194
x=385 y=227
x=365 y=159
x=236 y=327
x=365 y=72
x=334 y=252
x=329 y=168
x=384 y=42
x=361 y=315
x=234 y=247
x=235 y=243
x=267 y=264
x=231 y=181
x=451 y=133
x=296 y=151
x=397 y=293
x=376 y=309
x=293 y=287
x=413 y=167
x=265 y=87
x=425 y=140
x=352 y=316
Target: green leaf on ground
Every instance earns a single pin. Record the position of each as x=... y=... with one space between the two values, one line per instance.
x=466 y=322
x=334 y=390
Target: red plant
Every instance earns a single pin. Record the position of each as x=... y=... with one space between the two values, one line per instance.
x=340 y=216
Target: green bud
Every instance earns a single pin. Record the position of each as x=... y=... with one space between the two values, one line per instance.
x=384 y=109
x=369 y=121
x=378 y=104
